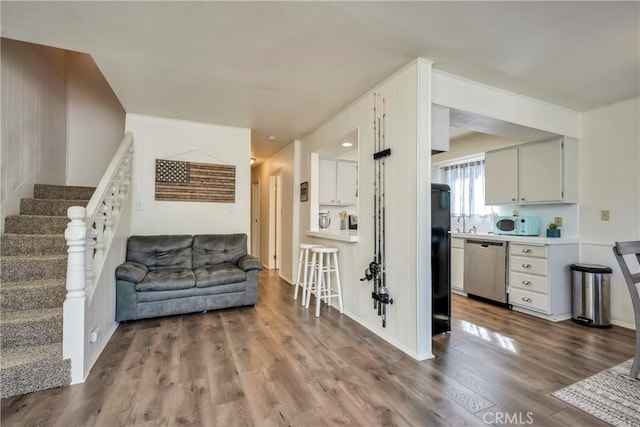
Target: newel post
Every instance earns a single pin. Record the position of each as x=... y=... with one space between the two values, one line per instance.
x=74 y=305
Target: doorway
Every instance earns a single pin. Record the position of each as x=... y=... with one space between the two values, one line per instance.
x=275 y=219
x=255 y=219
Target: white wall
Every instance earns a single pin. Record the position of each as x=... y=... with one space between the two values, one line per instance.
x=408 y=266
x=161 y=138
x=283 y=160
x=33 y=121
x=609 y=178
x=466 y=95
x=95 y=120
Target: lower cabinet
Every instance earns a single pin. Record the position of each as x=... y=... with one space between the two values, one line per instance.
x=457 y=266
x=540 y=279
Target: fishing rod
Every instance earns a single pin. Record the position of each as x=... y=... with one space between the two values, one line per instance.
x=376 y=270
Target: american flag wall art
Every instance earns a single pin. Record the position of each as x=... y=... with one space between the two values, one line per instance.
x=195 y=182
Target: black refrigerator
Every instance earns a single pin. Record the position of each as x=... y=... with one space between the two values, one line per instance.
x=440 y=258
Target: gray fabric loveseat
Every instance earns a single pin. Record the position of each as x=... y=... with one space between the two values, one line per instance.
x=166 y=275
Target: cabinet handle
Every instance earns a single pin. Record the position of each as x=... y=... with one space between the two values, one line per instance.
x=522 y=199
x=526 y=265
x=527 y=299
x=513 y=199
x=526 y=282
x=527 y=251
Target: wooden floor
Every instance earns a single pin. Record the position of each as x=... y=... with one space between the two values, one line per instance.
x=276 y=364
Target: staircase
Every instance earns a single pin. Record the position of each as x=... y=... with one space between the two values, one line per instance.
x=32 y=290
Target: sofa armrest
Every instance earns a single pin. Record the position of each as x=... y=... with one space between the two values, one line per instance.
x=249 y=262
x=131 y=272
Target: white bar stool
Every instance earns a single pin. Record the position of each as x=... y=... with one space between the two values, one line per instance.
x=304 y=262
x=321 y=263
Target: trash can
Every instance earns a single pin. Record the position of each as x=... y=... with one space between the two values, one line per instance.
x=590 y=284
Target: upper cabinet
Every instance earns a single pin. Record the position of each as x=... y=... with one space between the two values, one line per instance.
x=537 y=172
x=338 y=182
x=439 y=129
x=501 y=176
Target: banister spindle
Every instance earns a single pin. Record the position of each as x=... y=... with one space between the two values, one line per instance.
x=115 y=188
x=100 y=243
x=108 y=206
x=122 y=188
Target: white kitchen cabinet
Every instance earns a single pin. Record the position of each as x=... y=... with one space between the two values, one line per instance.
x=540 y=172
x=327 y=187
x=338 y=182
x=536 y=172
x=457 y=266
x=540 y=279
x=501 y=176
x=346 y=182
x=440 y=129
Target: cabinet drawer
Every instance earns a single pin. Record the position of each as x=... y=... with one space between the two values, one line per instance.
x=528 y=265
x=527 y=250
x=528 y=282
x=457 y=243
x=530 y=300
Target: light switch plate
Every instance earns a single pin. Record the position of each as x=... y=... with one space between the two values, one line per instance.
x=604 y=215
x=558 y=221
x=515 y=212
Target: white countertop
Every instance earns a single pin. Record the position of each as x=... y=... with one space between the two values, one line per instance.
x=536 y=240
x=342 y=235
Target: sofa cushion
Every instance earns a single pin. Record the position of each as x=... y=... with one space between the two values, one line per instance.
x=131 y=272
x=184 y=294
x=214 y=249
x=161 y=252
x=219 y=275
x=167 y=280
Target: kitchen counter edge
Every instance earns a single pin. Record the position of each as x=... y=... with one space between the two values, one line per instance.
x=344 y=236
x=539 y=240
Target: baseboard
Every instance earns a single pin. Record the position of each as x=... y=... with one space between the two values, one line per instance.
x=624 y=324
x=409 y=352
x=103 y=344
x=559 y=318
x=288 y=280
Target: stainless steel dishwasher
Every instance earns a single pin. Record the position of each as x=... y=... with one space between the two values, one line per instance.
x=485 y=272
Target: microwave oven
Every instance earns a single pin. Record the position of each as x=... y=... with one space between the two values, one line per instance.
x=517 y=225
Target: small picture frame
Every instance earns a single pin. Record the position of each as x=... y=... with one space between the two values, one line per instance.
x=304 y=191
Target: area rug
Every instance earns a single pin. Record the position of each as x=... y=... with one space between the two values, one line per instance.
x=609 y=395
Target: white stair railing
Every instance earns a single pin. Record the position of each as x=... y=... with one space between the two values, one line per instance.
x=89 y=236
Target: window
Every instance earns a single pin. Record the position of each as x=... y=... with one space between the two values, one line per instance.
x=467 y=188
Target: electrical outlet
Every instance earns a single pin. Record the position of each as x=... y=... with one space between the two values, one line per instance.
x=515 y=212
x=604 y=215
x=139 y=205
x=230 y=209
x=558 y=221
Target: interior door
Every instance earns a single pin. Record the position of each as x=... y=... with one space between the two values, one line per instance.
x=255 y=219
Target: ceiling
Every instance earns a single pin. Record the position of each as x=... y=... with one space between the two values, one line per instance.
x=282 y=68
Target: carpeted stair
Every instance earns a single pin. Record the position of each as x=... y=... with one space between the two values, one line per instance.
x=32 y=291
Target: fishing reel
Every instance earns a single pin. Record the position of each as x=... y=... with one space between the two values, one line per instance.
x=371 y=272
